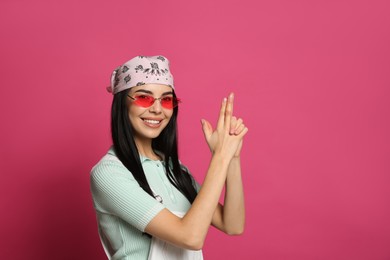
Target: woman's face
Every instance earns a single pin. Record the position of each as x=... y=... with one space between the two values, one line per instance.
x=148 y=122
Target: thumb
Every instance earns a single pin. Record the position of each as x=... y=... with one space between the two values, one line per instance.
x=207 y=128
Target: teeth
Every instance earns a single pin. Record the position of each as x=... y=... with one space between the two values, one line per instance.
x=152 y=121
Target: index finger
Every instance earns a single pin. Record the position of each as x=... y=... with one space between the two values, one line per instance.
x=221 y=118
x=229 y=110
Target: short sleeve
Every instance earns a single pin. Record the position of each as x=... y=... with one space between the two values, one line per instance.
x=116 y=192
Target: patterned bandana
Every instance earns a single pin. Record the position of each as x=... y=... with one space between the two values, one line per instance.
x=139 y=71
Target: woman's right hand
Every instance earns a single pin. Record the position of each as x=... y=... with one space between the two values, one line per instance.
x=227 y=138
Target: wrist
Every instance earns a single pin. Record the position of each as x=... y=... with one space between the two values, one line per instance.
x=221 y=159
x=235 y=159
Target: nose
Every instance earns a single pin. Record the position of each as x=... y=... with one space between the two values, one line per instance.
x=156 y=107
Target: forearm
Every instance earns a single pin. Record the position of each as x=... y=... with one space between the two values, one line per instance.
x=198 y=218
x=191 y=230
x=233 y=214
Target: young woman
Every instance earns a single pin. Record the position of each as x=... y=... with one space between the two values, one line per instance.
x=148 y=206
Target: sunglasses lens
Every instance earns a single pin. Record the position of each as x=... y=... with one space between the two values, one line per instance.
x=144 y=100
x=147 y=101
x=167 y=102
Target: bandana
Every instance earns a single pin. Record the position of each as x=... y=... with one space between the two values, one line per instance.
x=139 y=71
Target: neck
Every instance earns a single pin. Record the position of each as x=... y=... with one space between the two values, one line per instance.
x=145 y=148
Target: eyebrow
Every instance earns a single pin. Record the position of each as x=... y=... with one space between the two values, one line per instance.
x=151 y=93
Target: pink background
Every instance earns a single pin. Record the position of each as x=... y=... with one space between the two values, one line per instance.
x=311 y=80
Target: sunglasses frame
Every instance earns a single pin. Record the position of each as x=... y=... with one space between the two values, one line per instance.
x=174 y=104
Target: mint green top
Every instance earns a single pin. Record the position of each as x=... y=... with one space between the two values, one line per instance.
x=124 y=209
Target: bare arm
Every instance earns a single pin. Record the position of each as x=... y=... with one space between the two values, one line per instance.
x=190 y=231
x=230 y=217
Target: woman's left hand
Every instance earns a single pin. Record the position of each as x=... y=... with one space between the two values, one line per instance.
x=236 y=127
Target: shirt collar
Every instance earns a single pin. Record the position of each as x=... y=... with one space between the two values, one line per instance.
x=141 y=157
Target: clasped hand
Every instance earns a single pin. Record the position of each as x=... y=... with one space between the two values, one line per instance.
x=229 y=133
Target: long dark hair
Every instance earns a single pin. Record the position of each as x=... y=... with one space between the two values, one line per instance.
x=166 y=143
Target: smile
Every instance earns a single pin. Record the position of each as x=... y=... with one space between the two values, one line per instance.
x=152 y=122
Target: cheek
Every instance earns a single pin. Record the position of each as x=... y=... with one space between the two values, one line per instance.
x=135 y=111
x=133 y=114
x=169 y=114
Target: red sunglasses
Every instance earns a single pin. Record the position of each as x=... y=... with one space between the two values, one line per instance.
x=143 y=100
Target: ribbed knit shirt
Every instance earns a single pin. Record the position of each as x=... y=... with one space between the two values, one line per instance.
x=124 y=209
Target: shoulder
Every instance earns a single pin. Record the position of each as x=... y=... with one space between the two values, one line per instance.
x=109 y=159
x=110 y=167
x=194 y=182
x=185 y=169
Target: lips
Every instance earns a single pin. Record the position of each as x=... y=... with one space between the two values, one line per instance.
x=152 y=122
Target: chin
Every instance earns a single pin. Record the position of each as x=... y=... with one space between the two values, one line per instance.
x=151 y=135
